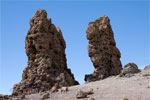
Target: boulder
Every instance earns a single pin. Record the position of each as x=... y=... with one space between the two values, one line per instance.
x=45 y=96
x=102 y=50
x=81 y=94
x=129 y=69
x=147 y=67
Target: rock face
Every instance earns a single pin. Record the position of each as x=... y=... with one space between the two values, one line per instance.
x=102 y=50
x=45 y=48
x=130 y=68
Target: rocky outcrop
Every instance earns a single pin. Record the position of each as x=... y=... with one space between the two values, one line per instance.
x=45 y=48
x=129 y=69
x=147 y=67
x=81 y=94
x=102 y=50
x=4 y=97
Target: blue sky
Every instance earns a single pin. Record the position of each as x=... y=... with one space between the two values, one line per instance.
x=129 y=20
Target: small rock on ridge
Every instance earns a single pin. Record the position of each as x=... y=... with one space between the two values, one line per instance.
x=130 y=68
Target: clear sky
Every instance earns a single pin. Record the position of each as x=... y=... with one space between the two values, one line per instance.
x=129 y=20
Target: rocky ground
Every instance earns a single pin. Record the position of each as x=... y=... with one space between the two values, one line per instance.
x=131 y=86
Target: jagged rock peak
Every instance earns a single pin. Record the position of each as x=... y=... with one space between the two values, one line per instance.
x=102 y=50
x=41 y=13
x=45 y=48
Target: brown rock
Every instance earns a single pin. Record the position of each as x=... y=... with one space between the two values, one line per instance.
x=54 y=89
x=130 y=68
x=45 y=48
x=147 y=67
x=102 y=50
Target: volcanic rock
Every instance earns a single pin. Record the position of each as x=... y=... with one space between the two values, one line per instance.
x=102 y=50
x=129 y=69
x=45 y=48
x=81 y=94
x=147 y=67
x=4 y=97
x=45 y=96
x=54 y=89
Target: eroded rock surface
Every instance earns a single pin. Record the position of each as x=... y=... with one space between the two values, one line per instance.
x=45 y=48
x=102 y=50
x=129 y=69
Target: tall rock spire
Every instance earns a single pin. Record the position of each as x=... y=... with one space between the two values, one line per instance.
x=45 y=48
x=102 y=50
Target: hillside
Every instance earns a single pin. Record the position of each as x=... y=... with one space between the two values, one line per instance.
x=133 y=87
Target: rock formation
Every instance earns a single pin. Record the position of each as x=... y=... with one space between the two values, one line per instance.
x=130 y=68
x=102 y=50
x=147 y=67
x=45 y=48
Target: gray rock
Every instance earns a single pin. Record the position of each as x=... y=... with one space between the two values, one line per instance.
x=146 y=74
x=15 y=99
x=81 y=94
x=129 y=69
x=90 y=91
x=102 y=50
x=64 y=89
x=45 y=96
